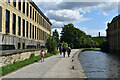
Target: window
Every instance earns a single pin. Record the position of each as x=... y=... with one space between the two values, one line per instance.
x=30 y=11
x=33 y=32
x=37 y=33
x=23 y=28
x=0 y=19
x=37 y=17
x=14 y=3
x=19 y=25
x=7 y=21
x=30 y=30
x=19 y=5
x=14 y=24
x=26 y=28
x=24 y=6
x=19 y=45
x=33 y=14
x=27 y=9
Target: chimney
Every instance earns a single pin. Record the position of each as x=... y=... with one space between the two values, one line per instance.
x=99 y=34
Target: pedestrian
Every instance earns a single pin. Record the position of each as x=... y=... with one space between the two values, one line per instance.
x=64 y=50
x=42 y=55
x=68 y=50
x=60 y=49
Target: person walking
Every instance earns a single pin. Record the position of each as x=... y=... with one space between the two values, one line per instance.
x=68 y=50
x=60 y=49
x=42 y=55
x=64 y=50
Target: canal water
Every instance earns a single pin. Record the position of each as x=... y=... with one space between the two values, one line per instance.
x=97 y=64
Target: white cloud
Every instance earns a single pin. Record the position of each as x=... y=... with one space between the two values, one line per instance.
x=94 y=32
x=105 y=14
x=66 y=16
x=61 y=17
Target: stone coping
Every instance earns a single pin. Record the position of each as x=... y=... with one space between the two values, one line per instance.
x=11 y=52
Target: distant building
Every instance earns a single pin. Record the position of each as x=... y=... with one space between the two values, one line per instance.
x=22 y=25
x=113 y=34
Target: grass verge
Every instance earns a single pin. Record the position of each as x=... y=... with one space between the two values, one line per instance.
x=19 y=64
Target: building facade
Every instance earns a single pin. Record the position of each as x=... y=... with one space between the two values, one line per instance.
x=22 y=25
x=113 y=34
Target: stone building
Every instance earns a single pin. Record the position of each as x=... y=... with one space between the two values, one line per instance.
x=22 y=25
x=113 y=34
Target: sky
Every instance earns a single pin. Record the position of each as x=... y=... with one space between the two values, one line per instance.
x=90 y=16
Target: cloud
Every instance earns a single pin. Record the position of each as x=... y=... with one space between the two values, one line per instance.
x=93 y=32
x=110 y=6
x=61 y=17
x=105 y=14
x=57 y=24
x=66 y=16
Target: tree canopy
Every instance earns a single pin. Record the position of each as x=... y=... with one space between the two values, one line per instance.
x=76 y=38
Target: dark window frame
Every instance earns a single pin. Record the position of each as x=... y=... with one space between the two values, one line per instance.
x=24 y=6
x=33 y=32
x=14 y=3
x=27 y=10
x=14 y=24
x=27 y=28
x=33 y=13
x=7 y=21
x=30 y=30
x=19 y=5
x=19 y=25
x=0 y=19
x=30 y=12
x=23 y=27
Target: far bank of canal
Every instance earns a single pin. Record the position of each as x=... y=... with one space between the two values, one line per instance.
x=97 y=64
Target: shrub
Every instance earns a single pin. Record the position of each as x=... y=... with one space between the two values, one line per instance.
x=32 y=55
x=51 y=44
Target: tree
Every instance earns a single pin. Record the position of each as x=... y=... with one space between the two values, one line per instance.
x=75 y=37
x=51 y=44
x=56 y=35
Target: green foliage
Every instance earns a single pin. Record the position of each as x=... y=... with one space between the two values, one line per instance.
x=51 y=45
x=32 y=55
x=98 y=41
x=56 y=36
x=75 y=37
x=64 y=44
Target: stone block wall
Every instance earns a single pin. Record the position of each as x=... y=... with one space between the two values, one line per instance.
x=10 y=58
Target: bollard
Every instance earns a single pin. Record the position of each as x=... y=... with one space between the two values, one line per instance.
x=73 y=67
x=72 y=60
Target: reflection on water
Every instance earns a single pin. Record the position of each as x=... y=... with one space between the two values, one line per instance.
x=99 y=65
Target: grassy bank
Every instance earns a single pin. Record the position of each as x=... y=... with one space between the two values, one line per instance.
x=19 y=64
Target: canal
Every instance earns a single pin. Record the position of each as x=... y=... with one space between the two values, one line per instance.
x=97 y=64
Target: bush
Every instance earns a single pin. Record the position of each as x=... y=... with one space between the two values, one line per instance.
x=51 y=44
x=32 y=55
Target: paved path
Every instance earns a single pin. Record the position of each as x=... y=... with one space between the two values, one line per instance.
x=53 y=67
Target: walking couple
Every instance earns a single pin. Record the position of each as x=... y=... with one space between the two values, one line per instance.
x=68 y=49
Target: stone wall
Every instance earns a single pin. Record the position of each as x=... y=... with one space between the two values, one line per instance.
x=10 y=58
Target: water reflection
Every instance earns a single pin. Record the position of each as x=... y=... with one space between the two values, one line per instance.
x=99 y=65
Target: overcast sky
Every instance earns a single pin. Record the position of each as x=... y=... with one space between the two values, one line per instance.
x=91 y=17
